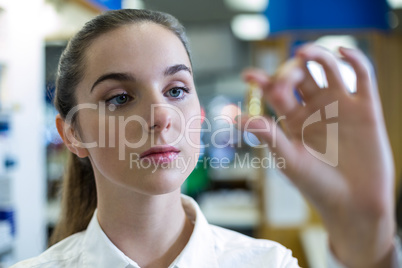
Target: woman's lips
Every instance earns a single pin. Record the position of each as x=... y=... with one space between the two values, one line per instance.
x=161 y=154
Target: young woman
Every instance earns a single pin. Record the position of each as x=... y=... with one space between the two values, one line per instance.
x=129 y=114
x=135 y=66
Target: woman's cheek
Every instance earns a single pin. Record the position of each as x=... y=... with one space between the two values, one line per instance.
x=193 y=129
x=89 y=125
x=114 y=134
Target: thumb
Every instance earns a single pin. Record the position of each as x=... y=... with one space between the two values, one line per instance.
x=269 y=132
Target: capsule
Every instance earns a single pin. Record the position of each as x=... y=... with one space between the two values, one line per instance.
x=254 y=100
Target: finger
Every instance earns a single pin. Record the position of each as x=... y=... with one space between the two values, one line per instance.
x=365 y=78
x=328 y=62
x=256 y=75
x=268 y=132
x=277 y=90
x=299 y=165
x=308 y=87
x=280 y=91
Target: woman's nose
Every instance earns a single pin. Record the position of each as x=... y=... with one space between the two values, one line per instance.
x=161 y=118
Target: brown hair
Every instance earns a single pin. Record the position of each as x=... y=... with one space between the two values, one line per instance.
x=79 y=197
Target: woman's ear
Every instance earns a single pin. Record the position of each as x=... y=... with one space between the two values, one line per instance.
x=70 y=138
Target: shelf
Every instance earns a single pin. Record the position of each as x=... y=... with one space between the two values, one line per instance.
x=90 y=6
x=231 y=209
x=315 y=243
x=232 y=174
x=6 y=249
x=52 y=212
x=6 y=240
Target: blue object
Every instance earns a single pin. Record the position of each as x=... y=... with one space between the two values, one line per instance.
x=300 y=15
x=9 y=163
x=107 y=4
x=8 y=215
x=4 y=126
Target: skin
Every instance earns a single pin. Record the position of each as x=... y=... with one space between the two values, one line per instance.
x=355 y=198
x=138 y=208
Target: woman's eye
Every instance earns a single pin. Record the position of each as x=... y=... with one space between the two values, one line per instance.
x=177 y=92
x=119 y=100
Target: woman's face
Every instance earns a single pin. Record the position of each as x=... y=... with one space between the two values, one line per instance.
x=140 y=116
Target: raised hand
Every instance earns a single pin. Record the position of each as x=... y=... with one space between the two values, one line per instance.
x=336 y=150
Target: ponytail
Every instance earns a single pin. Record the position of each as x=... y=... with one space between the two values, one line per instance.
x=78 y=201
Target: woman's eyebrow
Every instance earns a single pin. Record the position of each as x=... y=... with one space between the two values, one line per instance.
x=171 y=70
x=113 y=76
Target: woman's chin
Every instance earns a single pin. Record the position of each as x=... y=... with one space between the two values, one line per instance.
x=159 y=182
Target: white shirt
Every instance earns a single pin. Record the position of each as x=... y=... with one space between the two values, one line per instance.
x=209 y=246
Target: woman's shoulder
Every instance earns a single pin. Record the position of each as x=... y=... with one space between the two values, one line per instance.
x=259 y=251
x=65 y=253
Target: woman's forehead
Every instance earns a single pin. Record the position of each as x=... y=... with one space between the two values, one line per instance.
x=144 y=51
x=136 y=46
x=144 y=38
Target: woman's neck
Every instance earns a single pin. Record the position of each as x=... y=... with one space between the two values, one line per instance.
x=151 y=230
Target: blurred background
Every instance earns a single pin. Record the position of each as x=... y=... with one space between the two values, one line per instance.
x=225 y=37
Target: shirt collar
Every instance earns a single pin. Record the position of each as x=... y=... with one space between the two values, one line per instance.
x=100 y=252
x=199 y=252
x=200 y=249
